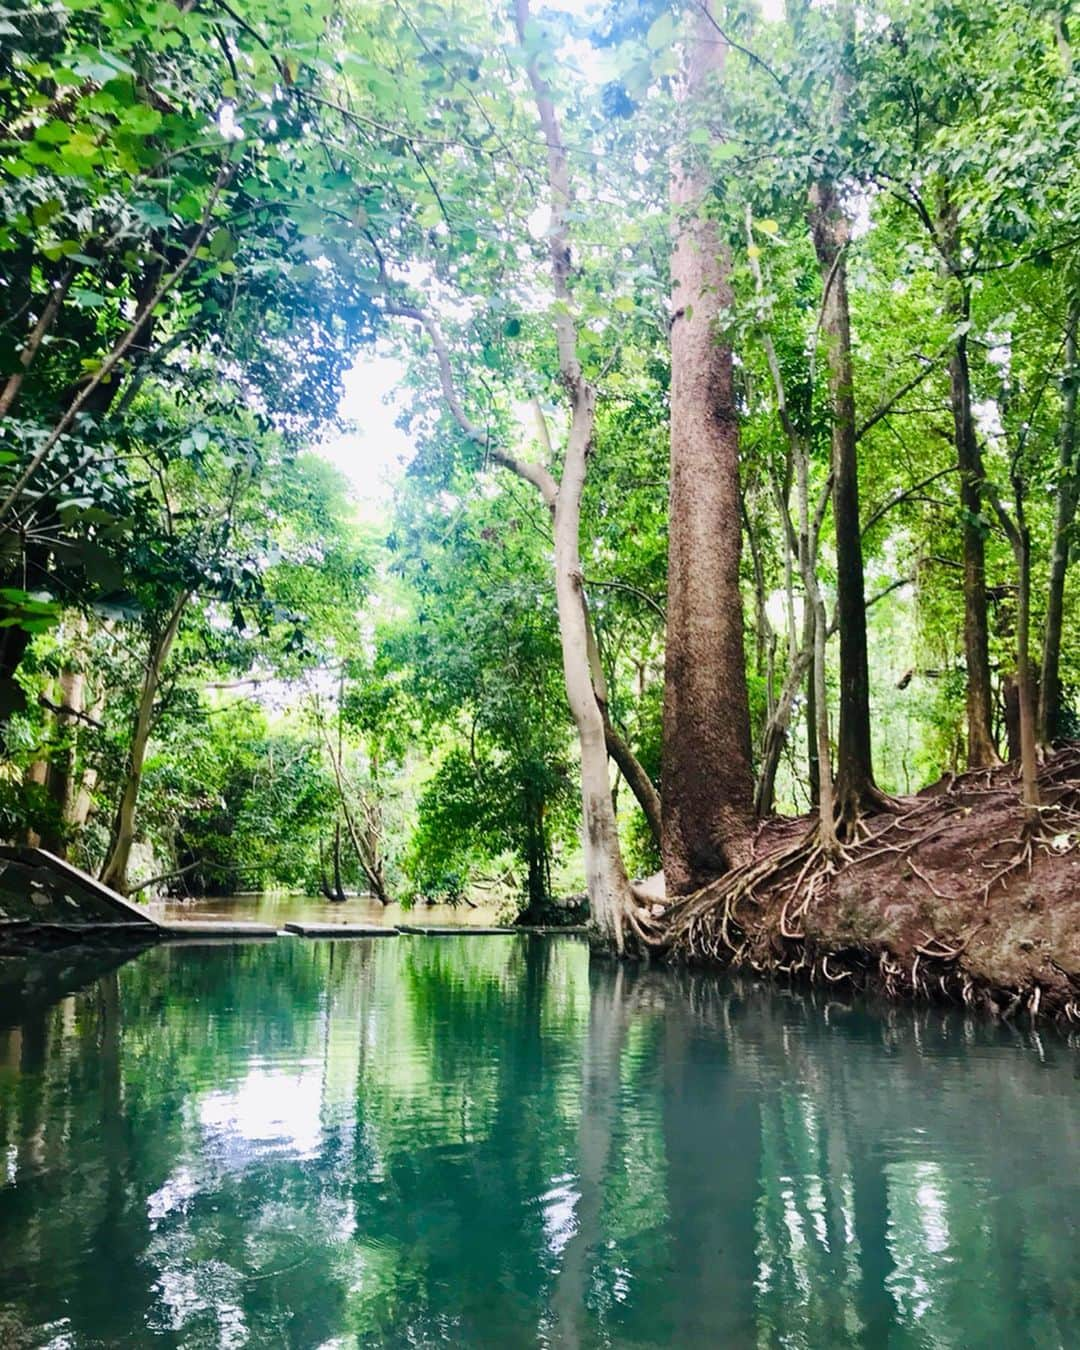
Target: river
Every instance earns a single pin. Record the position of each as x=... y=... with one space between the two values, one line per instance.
x=484 y=1141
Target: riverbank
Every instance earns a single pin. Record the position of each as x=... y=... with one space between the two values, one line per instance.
x=948 y=896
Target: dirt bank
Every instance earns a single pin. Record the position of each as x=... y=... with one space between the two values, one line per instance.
x=948 y=896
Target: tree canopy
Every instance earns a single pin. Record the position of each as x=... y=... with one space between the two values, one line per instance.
x=738 y=352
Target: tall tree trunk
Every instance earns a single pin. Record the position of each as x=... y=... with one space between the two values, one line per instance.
x=609 y=889
x=855 y=788
x=1017 y=531
x=324 y=885
x=62 y=786
x=339 y=889
x=1049 y=716
x=606 y=879
x=708 y=784
x=813 y=768
x=1024 y=674
x=114 y=872
x=982 y=752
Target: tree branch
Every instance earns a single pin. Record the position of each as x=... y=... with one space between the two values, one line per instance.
x=899 y=497
x=536 y=474
x=885 y=408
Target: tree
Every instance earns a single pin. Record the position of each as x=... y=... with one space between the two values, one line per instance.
x=707 y=778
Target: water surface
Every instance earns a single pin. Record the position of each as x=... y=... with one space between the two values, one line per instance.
x=481 y=1141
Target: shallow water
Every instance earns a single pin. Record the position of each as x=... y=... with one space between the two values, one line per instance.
x=482 y=1141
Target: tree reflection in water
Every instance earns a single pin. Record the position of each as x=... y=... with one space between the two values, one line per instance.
x=486 y=1141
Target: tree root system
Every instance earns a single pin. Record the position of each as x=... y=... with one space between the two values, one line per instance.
x=953 y=895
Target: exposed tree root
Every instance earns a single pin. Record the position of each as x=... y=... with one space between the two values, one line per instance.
x=905 y=904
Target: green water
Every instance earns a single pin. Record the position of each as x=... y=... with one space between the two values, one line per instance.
x=482 y=1142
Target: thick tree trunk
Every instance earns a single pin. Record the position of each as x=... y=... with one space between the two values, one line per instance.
x=1049 y=716
x=708 y=785
x=114 y=872
x=855 y=789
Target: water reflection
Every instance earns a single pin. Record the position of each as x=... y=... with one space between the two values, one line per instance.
x=487 y=1142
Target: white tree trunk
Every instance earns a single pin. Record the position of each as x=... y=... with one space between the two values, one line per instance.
x=606 y=879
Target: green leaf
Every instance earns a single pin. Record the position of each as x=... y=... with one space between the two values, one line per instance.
x=53 y=133
x=222 y=244
x=140 y=119
x=661 y=32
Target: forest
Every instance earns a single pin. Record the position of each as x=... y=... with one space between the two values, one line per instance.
x=729 y=583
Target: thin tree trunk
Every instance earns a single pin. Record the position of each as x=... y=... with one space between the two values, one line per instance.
x=339 y=889
x=641 y=785
x=708 y=786
x=368 y=861
x=40 y=331
x=827 y=795
x=324 y=885
x=606 y=879
x=61 y=782
x=1048 y=724
x=982 y=752
x=1028 y=749
x=813 y=768
x=1018 y=533
x=855 y=788
x=776 y=733
x=114 y=872
x=639 y=782
x=608 y=886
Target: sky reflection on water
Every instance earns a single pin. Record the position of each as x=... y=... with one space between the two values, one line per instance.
x=484 y=1141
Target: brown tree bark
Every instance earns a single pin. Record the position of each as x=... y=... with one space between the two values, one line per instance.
x=114 y=871
x=855 y=787
x=708 y=782
x=1049 y=714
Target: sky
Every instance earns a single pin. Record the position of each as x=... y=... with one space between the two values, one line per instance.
x=373 y=455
